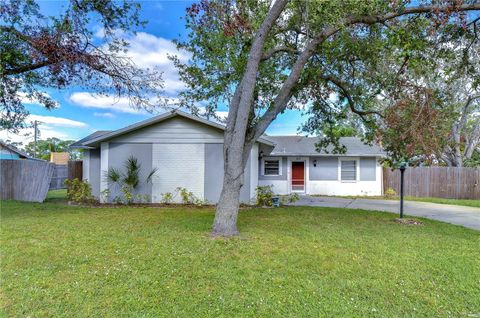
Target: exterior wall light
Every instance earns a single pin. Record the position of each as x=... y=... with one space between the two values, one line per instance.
x=315 y=162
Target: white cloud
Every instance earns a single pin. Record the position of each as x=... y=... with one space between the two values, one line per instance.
x=122 y=104
x=149 y=51
x=26 y=135
x=91 y=100
x=56 y=121
x=105 y=115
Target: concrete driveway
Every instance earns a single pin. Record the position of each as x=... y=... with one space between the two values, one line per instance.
x=454 y=214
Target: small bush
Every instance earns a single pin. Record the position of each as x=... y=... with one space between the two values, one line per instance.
x=167 y=198
x=127 y=194
x=185 y=195
x=79 y=191
x=293 y=197
x=390 y=193
x=188 y=197
x=264 y=195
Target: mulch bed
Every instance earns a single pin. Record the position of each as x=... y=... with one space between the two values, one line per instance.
x=408 y=221
x=149 y=205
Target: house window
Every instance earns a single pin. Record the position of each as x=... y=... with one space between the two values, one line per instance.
x=271 y=167
x=348 y=170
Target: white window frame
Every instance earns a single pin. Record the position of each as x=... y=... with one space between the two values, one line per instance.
x=357 y=169
x=272 y=159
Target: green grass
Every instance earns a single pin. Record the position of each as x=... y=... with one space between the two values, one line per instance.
x=473 y=203
x=66 y=261
x=465 y=202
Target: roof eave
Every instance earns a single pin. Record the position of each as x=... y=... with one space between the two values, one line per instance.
x=324 y=155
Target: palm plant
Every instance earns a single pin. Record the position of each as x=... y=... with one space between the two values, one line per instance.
x=128 y=180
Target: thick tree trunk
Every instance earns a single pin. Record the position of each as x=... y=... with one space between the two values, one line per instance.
x=225 y=223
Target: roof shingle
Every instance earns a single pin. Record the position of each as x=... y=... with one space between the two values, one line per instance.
x=305 y=146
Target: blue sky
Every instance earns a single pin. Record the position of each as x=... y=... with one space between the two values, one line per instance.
x=81 y=113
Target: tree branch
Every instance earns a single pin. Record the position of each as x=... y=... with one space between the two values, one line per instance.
x=276 y=50
x=25 y=68
x=351 y=103
x=285 y=92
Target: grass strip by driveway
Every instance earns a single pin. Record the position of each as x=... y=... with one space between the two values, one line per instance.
x=67 y=261
x=461 y=202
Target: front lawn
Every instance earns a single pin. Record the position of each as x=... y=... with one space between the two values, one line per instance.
x=66 y=261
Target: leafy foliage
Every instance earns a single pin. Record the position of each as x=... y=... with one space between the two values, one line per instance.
x=129 y=179
x=390 y=193
x=264 y=195
x=46 y=146
x=79 y=191
x=363 y=74
x=188 y=197
x=40 y=52
x=167 y=197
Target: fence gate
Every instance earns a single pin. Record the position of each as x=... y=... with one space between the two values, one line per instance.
x=75 y=169
x=58 y=178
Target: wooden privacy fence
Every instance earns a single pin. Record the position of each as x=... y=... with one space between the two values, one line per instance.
x=438 y=182
x=61 y=173
x=59 y=176
x=25 y=180
x=75 y=169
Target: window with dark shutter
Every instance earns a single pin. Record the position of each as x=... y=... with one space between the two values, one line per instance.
x=349 y=170
x=271 y=167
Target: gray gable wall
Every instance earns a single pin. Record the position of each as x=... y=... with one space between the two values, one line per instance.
x=173 y=130
x=119 y=153
x=94 y=171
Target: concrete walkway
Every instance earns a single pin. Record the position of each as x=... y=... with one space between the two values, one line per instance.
x=454 y=214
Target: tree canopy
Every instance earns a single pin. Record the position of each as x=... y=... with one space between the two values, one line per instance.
x=375 y=59
x=39 y=52
x=45 y=147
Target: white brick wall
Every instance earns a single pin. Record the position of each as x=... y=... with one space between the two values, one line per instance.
x=179 y=165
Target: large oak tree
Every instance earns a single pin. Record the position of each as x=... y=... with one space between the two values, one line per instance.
x=38 y=52
x=262 y=57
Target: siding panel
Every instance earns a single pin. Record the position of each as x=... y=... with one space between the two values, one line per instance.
x=326 y=169
x=94 y=171
x=368 y=167
x=174 y=130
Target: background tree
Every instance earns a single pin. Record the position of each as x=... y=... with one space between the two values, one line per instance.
x=39 y=52
x=262 y=57
x=461 y=89
x=47 y=146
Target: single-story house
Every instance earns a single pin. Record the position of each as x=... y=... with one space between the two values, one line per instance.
x=187 y=152
x=10 y=152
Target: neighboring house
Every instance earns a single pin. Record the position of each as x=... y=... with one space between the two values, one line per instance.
x=10 y=152
x=188 y=152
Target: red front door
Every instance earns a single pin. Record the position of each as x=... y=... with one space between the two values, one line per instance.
x=298 y=176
